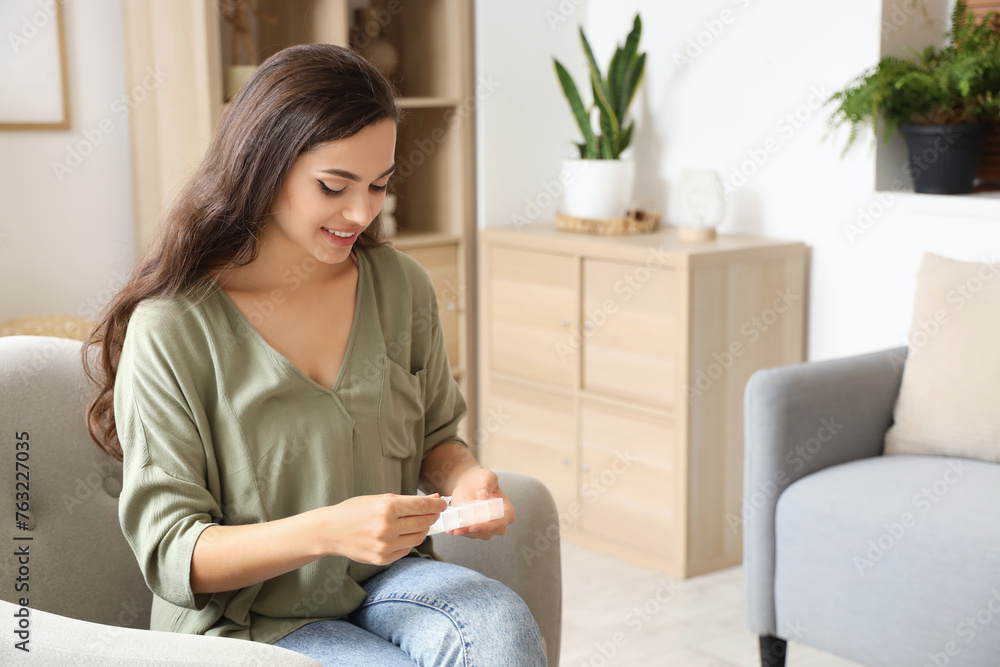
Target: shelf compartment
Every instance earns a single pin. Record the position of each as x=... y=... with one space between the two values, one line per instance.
x=301 y=22
x=429 y=158
x=430 y=63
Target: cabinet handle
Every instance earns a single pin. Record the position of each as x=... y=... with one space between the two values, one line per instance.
x=584 y=467
x=567 y=461
x=450 y=305
x=565 y=322
x=588 y=325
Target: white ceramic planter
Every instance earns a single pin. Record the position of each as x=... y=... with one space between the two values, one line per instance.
x=597 y=188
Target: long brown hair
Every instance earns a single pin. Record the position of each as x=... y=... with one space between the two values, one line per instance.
x=298 y=98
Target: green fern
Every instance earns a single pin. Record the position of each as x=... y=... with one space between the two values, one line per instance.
x=959 y=83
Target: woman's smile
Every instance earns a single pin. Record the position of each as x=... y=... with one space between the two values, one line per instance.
x=340 y=238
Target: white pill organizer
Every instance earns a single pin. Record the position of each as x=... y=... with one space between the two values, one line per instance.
x=467 y=514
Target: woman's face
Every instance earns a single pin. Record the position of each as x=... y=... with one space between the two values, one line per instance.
x=338 y=186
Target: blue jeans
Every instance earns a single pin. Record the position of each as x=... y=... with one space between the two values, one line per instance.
x=429 y=613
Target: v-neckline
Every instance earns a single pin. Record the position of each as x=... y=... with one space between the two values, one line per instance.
x=358 y=297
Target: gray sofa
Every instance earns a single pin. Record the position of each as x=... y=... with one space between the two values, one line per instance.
x=884 y=560
x=87 y=601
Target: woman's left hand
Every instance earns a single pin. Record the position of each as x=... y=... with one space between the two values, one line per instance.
x=479 y=483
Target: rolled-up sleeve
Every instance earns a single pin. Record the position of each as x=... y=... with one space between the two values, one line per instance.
x=165 y=503
x=445 y=406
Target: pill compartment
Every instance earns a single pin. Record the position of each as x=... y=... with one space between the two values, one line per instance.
x=467 y=514
x=482 y=512
x=495 y=506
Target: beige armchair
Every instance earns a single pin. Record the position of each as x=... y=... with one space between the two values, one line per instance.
x=87 y=602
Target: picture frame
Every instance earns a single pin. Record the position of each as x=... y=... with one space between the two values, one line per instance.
x=34 y=88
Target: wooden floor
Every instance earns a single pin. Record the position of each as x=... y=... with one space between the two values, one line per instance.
x=616 y=613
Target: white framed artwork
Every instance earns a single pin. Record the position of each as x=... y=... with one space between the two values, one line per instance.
x=34 y=91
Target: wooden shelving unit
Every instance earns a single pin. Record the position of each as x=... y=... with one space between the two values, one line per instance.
x=435 y=177
x=613 y=370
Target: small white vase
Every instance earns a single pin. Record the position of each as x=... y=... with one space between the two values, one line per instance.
x=597 y=188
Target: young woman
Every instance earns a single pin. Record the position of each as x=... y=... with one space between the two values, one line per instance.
x=274 y=378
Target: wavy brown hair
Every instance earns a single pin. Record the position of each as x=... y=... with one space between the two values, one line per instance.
x=297 y=99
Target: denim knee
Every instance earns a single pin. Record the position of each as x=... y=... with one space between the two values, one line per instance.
x=445 y=614
x=507 y=633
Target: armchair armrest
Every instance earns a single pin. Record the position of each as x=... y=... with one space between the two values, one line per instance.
x=526 y=558
x=800 y=419
x=60 y=640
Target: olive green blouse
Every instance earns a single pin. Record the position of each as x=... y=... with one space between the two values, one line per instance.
x=218 y=427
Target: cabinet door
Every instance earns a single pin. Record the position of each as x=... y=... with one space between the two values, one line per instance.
x=631 y=331
x=627 y=478
x=533 y=310
x=441 y=263
x=532 y=432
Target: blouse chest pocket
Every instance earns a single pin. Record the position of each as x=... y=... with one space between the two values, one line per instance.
x=401 y=410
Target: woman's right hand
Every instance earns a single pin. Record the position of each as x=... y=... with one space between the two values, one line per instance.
x=377 y=529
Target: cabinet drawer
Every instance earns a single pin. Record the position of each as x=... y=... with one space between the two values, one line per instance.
x=534 y=433
x=631 y=336
x=627 y=477
x=533 y=308
x=441 y=263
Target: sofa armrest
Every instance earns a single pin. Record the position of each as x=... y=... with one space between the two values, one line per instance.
x=60 y=640
x=800 y=419
x=526 y=558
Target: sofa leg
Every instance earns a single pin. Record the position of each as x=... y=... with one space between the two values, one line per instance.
x=772 y=651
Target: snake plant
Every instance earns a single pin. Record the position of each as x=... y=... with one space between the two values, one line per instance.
x=612 y=93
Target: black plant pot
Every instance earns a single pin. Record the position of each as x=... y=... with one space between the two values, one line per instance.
x=944 y=159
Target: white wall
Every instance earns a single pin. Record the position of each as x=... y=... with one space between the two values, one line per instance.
x=524 y=126
x=66 y=243
x=760 y=62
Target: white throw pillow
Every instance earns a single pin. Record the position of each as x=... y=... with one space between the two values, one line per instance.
x=949 y=401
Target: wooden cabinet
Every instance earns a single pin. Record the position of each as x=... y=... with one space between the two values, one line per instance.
x=626 y=474
x=536 y=434
x=440 y=258
x=613 y=370
x=631 y=331
x=171 y=126
x=534 y=307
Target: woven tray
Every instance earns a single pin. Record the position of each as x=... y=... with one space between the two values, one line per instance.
x=636 y=221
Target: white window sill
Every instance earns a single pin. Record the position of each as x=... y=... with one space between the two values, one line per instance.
x=975 y=205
